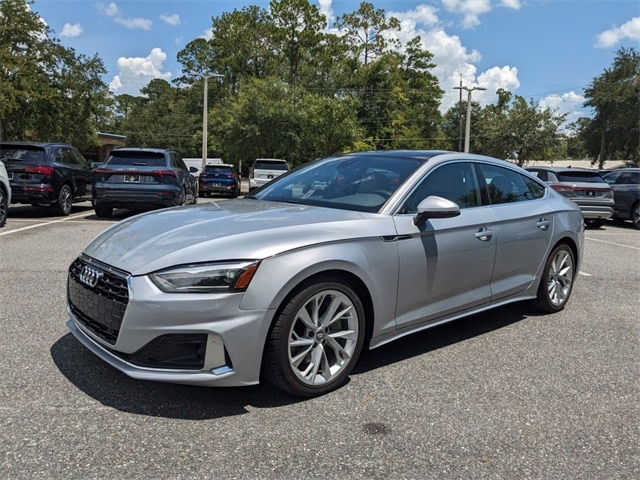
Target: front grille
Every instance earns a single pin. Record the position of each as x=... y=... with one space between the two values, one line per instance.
x=98 y=304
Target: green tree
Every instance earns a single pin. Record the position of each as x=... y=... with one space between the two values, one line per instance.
x=615 y=98
x=47 y=92
x=520 y=131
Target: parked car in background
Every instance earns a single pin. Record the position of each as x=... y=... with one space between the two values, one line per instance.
x=219 y=179
x=349 y=252
x=54 y=175
x=626 y=188
x=264 y=170
x=5 y=194
x=142 y=179
x=585 y=187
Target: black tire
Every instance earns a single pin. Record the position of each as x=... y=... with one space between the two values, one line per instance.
x=65 y=201
x=557 y=280
x=635 y=215
x=103 y=211
x=308 y=362
x=594 y=223
x=4 y=207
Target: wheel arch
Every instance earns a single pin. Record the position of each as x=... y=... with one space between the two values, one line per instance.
x=350 y=279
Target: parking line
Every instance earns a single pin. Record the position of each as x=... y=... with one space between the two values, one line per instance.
x=613 y=243
x=66 y=219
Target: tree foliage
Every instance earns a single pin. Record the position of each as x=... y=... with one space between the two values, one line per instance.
x=614 y=130
x=47 y=92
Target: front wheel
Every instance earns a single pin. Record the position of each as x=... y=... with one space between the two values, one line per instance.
x=557 y=280
x=635 y=215
x=316 y=339
x=65 y=201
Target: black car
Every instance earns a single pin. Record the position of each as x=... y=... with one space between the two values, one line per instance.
x=585 y=187
x=54 y=175
x=626 y=188
x=220 y=179
x=142 y=179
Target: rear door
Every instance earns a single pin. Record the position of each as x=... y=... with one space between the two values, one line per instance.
x=522 y=226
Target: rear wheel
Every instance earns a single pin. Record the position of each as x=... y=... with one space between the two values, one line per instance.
x=4 y=207
x=65 y=201
x=557 y=280
x=316 y=339
x=103 y=211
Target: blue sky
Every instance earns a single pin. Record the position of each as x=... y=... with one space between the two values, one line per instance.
x=545 y=50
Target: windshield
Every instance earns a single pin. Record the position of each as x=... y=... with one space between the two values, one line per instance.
x=357 y=182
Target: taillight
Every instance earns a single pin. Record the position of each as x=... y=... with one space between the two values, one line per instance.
x=563 y=188
x=104 y=170
x=163 y=173
x=39 y=169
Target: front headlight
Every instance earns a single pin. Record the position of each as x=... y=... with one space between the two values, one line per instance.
x=206 y=278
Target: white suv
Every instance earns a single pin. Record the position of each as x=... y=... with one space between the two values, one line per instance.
x=266 y=169
x=5 y=194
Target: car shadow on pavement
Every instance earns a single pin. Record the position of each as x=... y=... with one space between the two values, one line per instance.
x=114 y=389
x=441 y=336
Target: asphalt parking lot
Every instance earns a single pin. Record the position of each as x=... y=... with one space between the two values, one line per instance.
x=508 y=394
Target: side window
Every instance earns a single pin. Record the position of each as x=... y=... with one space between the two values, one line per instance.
x=181 y=163
x=456 y=182
x=507 y=186
x=68 y=158
x=80 y=160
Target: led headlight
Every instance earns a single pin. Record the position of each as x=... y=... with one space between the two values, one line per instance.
x=206 y=278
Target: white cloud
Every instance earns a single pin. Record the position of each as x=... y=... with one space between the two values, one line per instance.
x=630 y=30
x=327 y=10
x=71 y=30
x=515 y=4
x=110 y=10
x=470 y=9
x=142 y=23
x=113 y=11
x=171 y=19
x=421 y=15
x=136 y=72
x=570 y=103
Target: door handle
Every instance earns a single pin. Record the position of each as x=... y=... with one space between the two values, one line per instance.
x=543 y=224
x=484 y=234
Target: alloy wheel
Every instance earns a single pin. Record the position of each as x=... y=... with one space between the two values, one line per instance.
x=560 y=277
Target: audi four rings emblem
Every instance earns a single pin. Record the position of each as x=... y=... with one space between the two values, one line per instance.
x=90 y=276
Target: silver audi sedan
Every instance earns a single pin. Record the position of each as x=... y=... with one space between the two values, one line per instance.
x=348 y=252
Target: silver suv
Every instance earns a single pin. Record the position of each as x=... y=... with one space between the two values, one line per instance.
x=266 y=169
x=585 y=187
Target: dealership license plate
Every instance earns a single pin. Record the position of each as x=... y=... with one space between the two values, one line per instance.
x=132 y=178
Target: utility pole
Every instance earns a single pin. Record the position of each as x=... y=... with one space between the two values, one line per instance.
x=205 y=112
x=467 y=132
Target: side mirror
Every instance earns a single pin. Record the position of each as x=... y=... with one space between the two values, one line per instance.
x=193 y=170
x=435 y=207
x=95 y=165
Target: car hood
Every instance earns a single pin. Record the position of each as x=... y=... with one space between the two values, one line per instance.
x=229 y=230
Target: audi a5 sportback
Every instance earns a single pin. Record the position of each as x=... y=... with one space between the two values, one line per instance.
x=291 y=282
x=583 y=186
x=53 y=175
x=142 y=179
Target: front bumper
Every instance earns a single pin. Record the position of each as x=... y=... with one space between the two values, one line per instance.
x=227 y=341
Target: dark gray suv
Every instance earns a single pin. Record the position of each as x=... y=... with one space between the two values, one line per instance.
x=54 y=175
x=626 y=188
x=142 y=179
